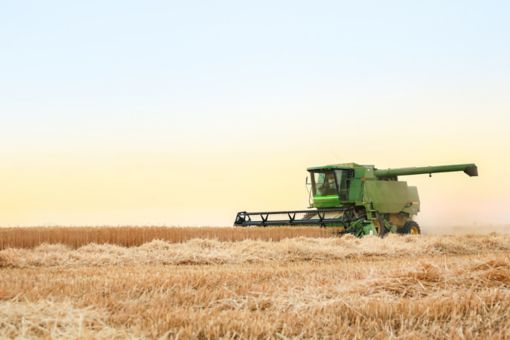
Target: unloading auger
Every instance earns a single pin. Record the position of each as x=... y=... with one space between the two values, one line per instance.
x=356 y=199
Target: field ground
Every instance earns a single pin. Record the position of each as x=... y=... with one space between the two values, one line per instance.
x=397 y=287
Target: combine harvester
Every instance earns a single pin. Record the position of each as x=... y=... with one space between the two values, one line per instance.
x=357 y=199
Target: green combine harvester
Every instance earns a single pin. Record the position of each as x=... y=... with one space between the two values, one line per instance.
x=356 y=199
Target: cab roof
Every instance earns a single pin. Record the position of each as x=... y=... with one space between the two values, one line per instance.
x=335 y=166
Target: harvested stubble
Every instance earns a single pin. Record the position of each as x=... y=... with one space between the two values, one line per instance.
x=398 y=287
x=75 y=237
x=199 y=251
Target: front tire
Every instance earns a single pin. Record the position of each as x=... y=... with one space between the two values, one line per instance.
x=410 y=227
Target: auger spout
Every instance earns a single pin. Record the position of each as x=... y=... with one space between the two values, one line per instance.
x=470 y=169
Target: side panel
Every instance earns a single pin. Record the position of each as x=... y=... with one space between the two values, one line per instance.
x=414 y=206
x=355 y=191
x=389 y=196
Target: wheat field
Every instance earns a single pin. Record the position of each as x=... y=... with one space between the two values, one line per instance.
x=135 y=236
x=401 y=287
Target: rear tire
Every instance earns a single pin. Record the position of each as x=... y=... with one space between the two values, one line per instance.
x=410 y=227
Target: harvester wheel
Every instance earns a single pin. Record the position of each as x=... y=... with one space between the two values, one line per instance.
x=382 y=227
x=411 y=227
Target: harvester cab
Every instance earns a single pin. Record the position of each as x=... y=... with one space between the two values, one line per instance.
x=356 y=199
x=330 y=186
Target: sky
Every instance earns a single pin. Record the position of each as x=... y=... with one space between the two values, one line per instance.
x=185 y=112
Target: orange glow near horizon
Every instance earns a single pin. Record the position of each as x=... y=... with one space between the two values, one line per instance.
x=195 y=188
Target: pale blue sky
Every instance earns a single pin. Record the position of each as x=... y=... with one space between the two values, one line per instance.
x=292 y=83
x=109 y=58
